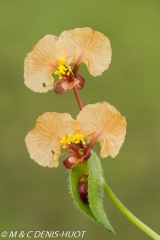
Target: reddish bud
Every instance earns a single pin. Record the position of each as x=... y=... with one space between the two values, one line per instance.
x=71 y=162
x=59 y=89
x=83 y=192
x=81 y=82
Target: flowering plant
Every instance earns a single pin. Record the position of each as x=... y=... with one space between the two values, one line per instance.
x=57 y=134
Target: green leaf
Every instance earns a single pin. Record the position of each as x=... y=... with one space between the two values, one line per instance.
x=95 y=191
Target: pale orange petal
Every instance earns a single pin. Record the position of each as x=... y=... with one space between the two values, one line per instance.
x=43 y=142
x=40 y=64
x=102 y=123
x=83 y=45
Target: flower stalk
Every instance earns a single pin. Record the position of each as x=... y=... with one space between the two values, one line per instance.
x=78 y=97
x=129 y=215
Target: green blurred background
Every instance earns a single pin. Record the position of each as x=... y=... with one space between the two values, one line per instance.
x=36 y=198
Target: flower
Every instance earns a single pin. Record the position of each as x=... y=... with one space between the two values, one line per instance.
x=53 y=55
x=98 y=122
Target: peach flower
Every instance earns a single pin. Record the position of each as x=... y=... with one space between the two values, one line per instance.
x=53 y=55
x=98 y=122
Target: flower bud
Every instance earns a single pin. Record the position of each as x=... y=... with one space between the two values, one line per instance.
x=80 y=83
x=59 y=89
x=71 y=162
x=83 y=189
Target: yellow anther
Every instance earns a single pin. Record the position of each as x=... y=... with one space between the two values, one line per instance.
x=70 y=135
x=63 y=69
x=70 y=139
x=62 y=60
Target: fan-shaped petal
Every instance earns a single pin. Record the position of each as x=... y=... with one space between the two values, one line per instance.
x=40 y=64
x=43 y=142
x=83 y=45
x=102 y=123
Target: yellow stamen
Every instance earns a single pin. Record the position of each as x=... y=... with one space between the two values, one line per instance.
x=70 y=139
x=63 y=69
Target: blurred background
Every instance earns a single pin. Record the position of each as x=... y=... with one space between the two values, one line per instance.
x=36 y=198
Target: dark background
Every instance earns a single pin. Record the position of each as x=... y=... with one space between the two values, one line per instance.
x=37 y=198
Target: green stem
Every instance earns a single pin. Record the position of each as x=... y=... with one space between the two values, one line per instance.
x=129 y=215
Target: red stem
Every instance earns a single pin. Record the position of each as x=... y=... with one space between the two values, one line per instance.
x=79 y=99
x=76 y=92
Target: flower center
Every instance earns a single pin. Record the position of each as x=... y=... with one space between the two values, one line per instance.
x=70 y=139
x=64 y=69
x=77 y=150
